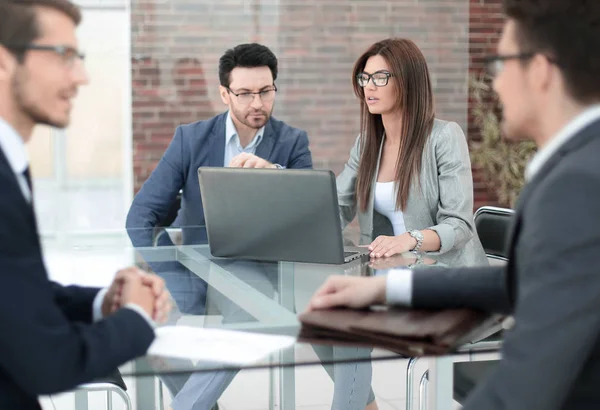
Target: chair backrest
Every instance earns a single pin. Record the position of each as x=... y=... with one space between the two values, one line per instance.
x=493 y=227
x=161 y=228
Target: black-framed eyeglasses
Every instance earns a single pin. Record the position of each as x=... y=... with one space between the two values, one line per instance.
x=67 y=53
x=495 y=64
x=245 y=97
x=379 y=78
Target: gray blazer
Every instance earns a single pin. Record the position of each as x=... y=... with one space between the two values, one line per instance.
x=442 y=203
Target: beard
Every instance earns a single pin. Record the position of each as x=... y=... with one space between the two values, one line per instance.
x=26 y=106
x=255 y=123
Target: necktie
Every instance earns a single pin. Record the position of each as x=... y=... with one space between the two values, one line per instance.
x=27 y=175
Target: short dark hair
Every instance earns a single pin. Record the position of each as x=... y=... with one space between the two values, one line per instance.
x=18 y=21
x=567 y=31
x=246 y=55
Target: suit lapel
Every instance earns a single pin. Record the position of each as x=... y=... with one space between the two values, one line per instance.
x=374 y=181
x=6 y=169
x=265 y=148
x=216 y=143
x=370 y=208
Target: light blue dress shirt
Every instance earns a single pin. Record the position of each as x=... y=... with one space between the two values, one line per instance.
x=233 y=147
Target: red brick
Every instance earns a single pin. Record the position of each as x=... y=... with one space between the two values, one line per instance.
x=316 y=42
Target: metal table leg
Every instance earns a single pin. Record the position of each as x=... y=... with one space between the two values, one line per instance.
x=272 y=377
x=287 y=376
x=81 y=400
x=423 y=391
x=145 y=389
x=410 y=375
x=440 y=384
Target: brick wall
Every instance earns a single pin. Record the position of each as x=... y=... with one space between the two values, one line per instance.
x=176 y=45
x=485 y=25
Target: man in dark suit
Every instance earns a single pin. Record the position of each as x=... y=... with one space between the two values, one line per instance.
x=546 y=76
x=53 y=337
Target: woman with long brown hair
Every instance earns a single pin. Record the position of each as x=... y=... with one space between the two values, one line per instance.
x=409 y=174
x=408 y=179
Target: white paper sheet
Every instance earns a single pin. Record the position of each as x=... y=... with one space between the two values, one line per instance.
x=216 y=345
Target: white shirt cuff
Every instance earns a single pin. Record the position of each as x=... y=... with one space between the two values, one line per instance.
x=97 y=305
x=141 y=312
x=398 y=290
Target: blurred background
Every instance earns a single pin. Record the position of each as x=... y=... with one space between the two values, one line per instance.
x=153 y=66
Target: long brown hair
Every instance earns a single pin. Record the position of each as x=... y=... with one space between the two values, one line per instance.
x=415 y=98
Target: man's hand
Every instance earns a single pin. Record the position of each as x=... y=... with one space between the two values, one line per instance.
x=114 y=300
x=347 y=291
x=162 y=297
x=246 y=160
x=134 y=291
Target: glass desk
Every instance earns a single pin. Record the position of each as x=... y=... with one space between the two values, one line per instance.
x=262 y=297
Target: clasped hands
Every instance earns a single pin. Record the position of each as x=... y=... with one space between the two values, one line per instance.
x=133 y=285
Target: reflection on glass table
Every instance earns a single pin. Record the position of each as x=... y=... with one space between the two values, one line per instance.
x=212 y=293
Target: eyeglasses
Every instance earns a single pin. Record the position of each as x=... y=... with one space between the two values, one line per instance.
x=380 y=78
x=68 y=54
x=248 y=97
x=495 y=64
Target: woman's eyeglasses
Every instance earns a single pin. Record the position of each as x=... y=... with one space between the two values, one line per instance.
x=379 y=78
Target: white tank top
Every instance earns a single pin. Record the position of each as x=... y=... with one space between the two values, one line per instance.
x=385 y=203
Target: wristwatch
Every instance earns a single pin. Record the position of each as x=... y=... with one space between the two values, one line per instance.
x=417 y=262
x=418 y=235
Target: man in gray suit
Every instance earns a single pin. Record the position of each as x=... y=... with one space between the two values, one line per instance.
x=546 y=75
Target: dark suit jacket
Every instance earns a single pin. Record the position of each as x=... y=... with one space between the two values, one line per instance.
x=195 y=145
x=551 y=357
x=47 y=342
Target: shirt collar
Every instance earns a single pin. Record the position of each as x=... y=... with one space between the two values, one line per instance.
x=569 y=131
x=231 y=133
x=14 y=148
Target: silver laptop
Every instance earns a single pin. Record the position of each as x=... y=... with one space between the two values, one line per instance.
x=274 y=215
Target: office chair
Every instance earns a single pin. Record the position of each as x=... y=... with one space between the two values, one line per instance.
x=493 y=226
x=111 y=384
x=168 y=221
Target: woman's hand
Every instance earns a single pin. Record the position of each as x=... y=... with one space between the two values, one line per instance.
x=386 y=246
x=396 y=261
x=400 y=261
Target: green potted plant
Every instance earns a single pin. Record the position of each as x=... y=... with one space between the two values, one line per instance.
x=502 y=162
